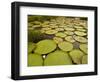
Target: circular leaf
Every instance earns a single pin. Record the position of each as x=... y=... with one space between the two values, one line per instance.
x=80 y=33
x=80 y=39
x=35 y=60
x=57 y=58
x=45 y=46
x=84 y=48
x=76 y=56
x=65 y=46
x=69 y=39
x=60 y=34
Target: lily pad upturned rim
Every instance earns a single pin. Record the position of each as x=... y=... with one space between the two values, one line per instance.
x=80 y=39
x=80 y=33
x=69 y=39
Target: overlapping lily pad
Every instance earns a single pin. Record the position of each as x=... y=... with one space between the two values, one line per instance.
x=76 y=56
x=31 y=47
x=57 y=58
x=81 y=29
x=80 y=39
x=84 y=48
x=80 y=33
x=58 y=39
x=69 y=29
x=45 y=46
x=51 y=31
x=69 y=32
x=35 y=60
x=65 y=46
x=69 y=39
x=60 y=34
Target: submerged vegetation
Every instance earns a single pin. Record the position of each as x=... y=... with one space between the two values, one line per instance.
x=57 y=40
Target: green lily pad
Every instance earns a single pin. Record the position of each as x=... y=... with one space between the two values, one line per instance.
x=59 y=29
x=31 y=47
x=60 y=34
x=65 y=46
x=46 y=29
x=77 y=27
x=69 y=39
x=81 y=29
x=80 y=33
x=58 y=39
x=69 y=29
x=57 y=58
x=51 y=31
x=85 y=59
x=80 y=39
x=76 y=56
x=84 y=48
x=69 y=32
x=35 y=60
x=45 y=46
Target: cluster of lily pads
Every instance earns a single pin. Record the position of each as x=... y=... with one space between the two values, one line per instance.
x=58 y=41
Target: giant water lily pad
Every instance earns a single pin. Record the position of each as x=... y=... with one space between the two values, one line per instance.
x=51 y=31
x=45 y=46
x=46 y=28
x=57 y=58
x=65 y=46
x=80 y=39
x=60 y=34
x=69 y=29
x=80 y=33
x=84 y=48
x=31 y=47
x=77 y=27
x=69 y=32
x=76 y=56
x=85 y=59
x=59 y=29
x=69 y=39
x=81 y=29
x=58 y=39
x=35 y=60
